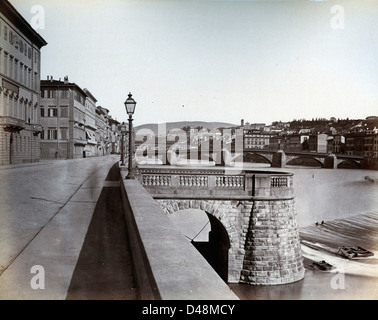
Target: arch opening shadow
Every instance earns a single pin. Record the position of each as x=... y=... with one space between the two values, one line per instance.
x=207 y=234
x=349 y=164
x=256 y=158
x=305 y=161
x=215 y=251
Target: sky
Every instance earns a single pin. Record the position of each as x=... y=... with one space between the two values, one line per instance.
x=197 y=60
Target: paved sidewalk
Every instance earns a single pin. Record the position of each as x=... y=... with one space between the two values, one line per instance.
x=54 y=251
x=104 y=269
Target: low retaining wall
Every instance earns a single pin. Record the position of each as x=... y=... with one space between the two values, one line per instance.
x=166 y=266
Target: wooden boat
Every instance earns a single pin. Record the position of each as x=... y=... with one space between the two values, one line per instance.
x=322 y=265
x=369 y=179
x=354 y=252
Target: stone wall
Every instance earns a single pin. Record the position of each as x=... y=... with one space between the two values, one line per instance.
x=263 y=237
x=25 y=147
x=165 y=265
x=272 y=248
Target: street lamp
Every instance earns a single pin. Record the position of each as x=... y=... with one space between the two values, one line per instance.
x=123 y=130
x=130 y=108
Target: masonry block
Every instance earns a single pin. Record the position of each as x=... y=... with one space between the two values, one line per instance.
x=330 y=162
x=263 y=238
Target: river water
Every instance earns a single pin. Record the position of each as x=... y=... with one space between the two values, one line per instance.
x=347 y=201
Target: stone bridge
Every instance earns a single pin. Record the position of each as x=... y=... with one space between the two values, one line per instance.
x=277 y=159
x=254 y=231
x=280 y=158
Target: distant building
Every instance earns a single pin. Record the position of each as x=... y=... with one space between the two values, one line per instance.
x=318 y=143
x=115 y=135
x=361 y=144
x=276 y=142
x=90 y=149
x=256 y=139
x=254 y=126
x=20 y=65
x=281 y=125
x=304 y=130
x=63 y=120
x=103 y=136
x=296 y=143
x=336 y=144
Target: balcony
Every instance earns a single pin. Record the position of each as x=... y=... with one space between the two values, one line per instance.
x=11 y=124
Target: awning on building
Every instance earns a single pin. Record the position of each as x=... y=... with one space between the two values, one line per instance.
x=91 y=137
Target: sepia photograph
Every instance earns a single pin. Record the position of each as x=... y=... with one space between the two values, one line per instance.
x=189 y=156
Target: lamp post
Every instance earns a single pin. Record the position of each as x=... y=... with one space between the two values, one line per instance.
x=130 y=108
x=123 y=130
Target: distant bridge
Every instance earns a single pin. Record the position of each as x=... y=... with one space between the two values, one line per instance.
x=276 y=159
x=325 y=160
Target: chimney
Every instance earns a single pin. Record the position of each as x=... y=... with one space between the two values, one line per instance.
x=66 y=79
x=48 y=77
x=242 y=122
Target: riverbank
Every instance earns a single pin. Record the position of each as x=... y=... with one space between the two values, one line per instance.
x=347 y=279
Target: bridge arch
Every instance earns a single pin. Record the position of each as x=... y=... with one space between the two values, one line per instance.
x=251 y=156
x=221 y=238
x=349 y=164
x=304 y=161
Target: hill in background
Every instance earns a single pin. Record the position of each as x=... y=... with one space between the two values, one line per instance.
x=182 y=124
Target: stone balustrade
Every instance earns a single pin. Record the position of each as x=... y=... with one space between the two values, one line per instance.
x=165 y=182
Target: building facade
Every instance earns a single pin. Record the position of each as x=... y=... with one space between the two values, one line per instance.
x=90 y=149
x=318 y=143
x=63 y=118
x=336 y=144
x=362 y=144
x=296 y=143
x=20 y=65
x=115 y=136
x=256 y=139
x=103 y=136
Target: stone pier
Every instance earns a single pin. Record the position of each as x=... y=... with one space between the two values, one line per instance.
x=252 y=216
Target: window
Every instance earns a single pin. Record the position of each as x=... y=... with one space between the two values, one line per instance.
x=52 y=112
x=25 y=75
x=11 y=66
x=64 y=94
x=64 y=112
x=52 y=134
x=16 y=69
x=49 y=93
x=42 y=112
x=63 y=133
x=21 y=68
x=42 y=134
